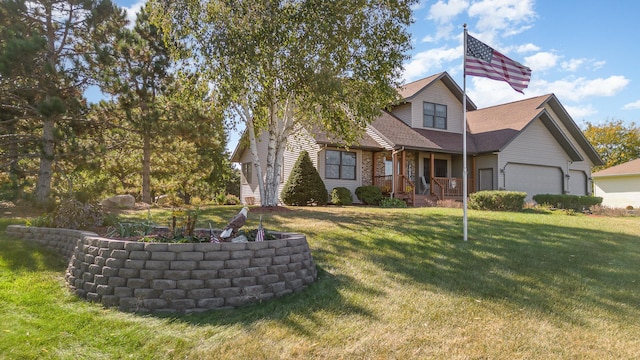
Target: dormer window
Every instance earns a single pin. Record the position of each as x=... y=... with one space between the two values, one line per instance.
x=434 y=116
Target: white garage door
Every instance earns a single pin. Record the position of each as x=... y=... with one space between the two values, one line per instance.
x=577 y=183
x=533 y=179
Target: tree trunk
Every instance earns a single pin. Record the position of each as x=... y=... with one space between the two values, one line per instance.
x=43 y=186
x=146 y=168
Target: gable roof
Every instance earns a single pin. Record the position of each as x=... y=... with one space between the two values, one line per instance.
x=408 y=91
x=494 y=128
x=625 y=169
x=398 y=134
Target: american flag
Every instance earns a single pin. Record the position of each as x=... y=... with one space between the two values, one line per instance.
x=482 y=60
x=260 y=233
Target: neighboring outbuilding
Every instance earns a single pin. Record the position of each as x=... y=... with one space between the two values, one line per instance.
x=619 y=186
x=414 y=151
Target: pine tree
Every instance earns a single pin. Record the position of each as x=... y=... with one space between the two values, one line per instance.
x=304 y=186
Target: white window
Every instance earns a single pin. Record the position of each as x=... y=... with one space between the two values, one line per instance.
x=435 y=116
x=340 y=165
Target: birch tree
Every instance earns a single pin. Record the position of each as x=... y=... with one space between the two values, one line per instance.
x=277 y=66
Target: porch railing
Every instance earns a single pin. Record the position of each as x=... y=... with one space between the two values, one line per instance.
x=407 y=190
x=448 y=188
x=384 y=182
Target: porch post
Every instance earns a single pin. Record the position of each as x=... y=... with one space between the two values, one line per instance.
x=474 y=173
x=373 y=168
x=432 y=170
x=403 y=170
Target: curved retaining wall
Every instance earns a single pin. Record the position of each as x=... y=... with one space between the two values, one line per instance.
x=171 y=277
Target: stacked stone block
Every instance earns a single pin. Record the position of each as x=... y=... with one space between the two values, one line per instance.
x=180 y=277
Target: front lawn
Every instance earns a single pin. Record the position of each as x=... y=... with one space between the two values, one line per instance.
x=393 y=283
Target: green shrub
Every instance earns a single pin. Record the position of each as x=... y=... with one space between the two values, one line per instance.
x=497 y=200
x=341 y=196
x=392 y=203
x=370 y=195
x=304 y=186
x=568 y=202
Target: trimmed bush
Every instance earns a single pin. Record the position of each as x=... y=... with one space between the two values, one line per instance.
x=568 y=202
x=497 y=200
x=370 y=195
x=393 y=203
x=341 y=196
x=304 y=186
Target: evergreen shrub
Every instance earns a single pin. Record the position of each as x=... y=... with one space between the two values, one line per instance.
x=341 y=196
x=369 y=195
x=304 y=186
x=568 y=202
x=497 y=200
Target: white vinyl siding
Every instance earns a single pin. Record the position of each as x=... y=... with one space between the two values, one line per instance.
x=437 y=93
x=403 y=112
x=546 y=160
x=618 y=191
x=488 y=162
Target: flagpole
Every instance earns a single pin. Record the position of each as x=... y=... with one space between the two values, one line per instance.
x=464 y=134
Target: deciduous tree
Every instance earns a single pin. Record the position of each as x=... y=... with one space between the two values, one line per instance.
x=277 y=65
x=615 y=142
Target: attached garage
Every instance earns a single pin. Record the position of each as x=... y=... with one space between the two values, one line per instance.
x=533 y=179
x=577 y=183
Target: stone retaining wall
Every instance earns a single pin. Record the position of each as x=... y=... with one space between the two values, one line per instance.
x=171 y=277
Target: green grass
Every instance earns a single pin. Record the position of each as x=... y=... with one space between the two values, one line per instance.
x=393 y=283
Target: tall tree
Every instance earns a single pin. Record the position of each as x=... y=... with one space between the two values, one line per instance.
x=138 y=74
x=162 y=106
x=615 y=142
x=49 y=49
x=277 y=65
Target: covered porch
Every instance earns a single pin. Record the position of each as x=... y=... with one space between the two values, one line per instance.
x=418 y=177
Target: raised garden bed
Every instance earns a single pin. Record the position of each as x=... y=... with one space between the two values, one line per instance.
x=150 y=277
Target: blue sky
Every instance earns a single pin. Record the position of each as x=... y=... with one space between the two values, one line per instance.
x=583 y=51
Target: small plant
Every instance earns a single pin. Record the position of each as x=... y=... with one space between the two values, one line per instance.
x=369 y=195
x=392 y=203
x=250 y=234
x=41 y=221
x=341 y=196
x=125 y=230
x=73 y=214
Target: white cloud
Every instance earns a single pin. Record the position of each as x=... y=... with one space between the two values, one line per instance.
x=577 y=89
x=573 y=64
x=541 y=61
x=430 y=61
x=527 y=48
x=496 y=15
x=632 y=106
x=132 y=12
x=417 y=6
x=580 y=112
x=486 y=92
x=443 y=12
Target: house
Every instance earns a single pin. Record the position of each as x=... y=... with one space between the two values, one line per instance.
x=619 y=186
x=414 y=151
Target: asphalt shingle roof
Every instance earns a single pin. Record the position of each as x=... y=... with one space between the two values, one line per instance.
x=629 y=168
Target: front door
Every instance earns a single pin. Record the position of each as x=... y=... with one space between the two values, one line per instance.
x=440 y=168
x=485 y=177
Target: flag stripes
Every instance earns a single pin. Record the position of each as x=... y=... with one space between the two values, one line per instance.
x=482 y=60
